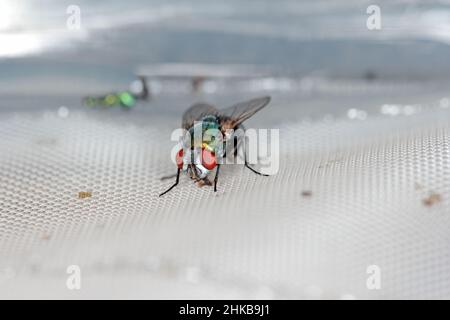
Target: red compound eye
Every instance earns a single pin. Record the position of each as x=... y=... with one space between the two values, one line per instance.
x=208 y=159
x=179 y=159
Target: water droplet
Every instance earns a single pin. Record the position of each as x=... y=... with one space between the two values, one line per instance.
x=444 y=103
x=409 y=110
x=136 y=87
x=390 y=109
x=210 y=87
x=63 y=112
x=356 y=114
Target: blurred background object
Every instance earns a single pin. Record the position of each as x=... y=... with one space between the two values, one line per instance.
x=125 y=99
x=302 y=38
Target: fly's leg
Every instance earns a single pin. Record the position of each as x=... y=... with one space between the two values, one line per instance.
x=261 y=174
x=216 y=178
x=248 y=166
x=236 y=154
x=176 y=182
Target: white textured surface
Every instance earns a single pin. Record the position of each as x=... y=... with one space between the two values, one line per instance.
x=256 y=238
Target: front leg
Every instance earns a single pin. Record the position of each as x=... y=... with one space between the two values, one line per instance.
x=176 y=182
x=216 y=178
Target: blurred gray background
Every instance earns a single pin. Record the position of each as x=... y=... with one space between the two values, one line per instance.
x=294 y=37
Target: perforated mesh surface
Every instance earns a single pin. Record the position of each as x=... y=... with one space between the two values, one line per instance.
x=255 y=238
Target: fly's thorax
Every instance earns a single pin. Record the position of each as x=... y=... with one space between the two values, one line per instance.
x=206 y=134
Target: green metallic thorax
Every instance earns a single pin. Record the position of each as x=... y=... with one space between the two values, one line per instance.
x=210 y=128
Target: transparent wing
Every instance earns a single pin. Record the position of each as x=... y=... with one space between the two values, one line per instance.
x=240 y=112
x=196 y=113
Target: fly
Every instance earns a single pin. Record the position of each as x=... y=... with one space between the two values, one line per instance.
x=204 y=117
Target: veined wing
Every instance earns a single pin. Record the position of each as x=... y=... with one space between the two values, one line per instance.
x=240 y=112
x=196 y=113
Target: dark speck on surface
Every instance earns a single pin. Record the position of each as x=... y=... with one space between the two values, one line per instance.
x=306 y=193
x=432 y=199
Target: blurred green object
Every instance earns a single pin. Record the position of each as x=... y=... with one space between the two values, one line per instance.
x=125 y=99
x=110 y=100
x=90 y=101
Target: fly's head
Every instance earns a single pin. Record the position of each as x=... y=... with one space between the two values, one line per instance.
x=197 y=163
x=200 y=148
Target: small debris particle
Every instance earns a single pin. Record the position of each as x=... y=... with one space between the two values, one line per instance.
x=418 y=186
x=370 y=75
x=329 y=163
x=306 y=193
x=46 y=236
x=84 y=194
x=432 y=199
